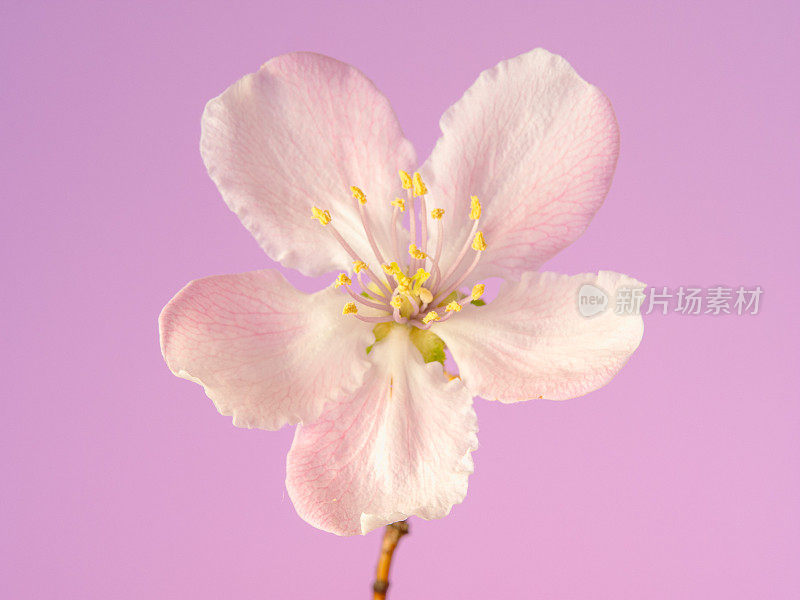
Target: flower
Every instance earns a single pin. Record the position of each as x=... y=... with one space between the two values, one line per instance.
x=309 y=155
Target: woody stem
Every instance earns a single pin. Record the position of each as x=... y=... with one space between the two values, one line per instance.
x=391 y=537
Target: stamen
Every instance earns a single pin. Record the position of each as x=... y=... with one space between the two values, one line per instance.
x=453 y=306
x=416 y=252
x=323 y=216
x=437 y=214
x=364 y=301
x=338 y=236
x=398 y=208
x=412 y=225
x=461 y=254
x=431 y=316
x=448 y=289
x=403 y=283
x=474 y=208
x=408 y=301
x=420 y=190
x=341 y=280
x=362 y=200
x=391 y=269
x=359 y=195
x=479 y=243
x=477 y=292
x=420 y=277
x=419 y=186
x=358 y=266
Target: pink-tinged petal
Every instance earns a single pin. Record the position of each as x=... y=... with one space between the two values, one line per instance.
x=533 y=340
x=399 y=446
x=296 y=134
x=538 y=145
x=267 y=354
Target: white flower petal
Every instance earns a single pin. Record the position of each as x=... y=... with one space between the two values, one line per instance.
x=538 y=145
x=296 y=134
x=266 y=353
x=399 y=446
x=532 y=341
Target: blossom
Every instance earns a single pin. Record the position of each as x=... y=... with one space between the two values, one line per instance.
x=309 y=155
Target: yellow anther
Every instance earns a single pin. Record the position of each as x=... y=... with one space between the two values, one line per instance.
x=474 y=208
x=453 y=306
x=350 y=309
x=396 y=302
x=358 y=194
x=477 y=291
x=402 y=279
x=431 y=316
x=359 y=266
x=399 y=203
x=341 y=280
x=392 y=268
x=419 y=185
x=405 y=179
x=425 y=295
x=403 y=282
x=420 y=277
x=416 y=252
x=479 y=243
x=437 y=213
x=323 y=216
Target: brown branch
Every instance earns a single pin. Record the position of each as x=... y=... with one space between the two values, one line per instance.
x=391 y=537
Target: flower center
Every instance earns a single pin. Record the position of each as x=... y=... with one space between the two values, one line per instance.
x=414 y=288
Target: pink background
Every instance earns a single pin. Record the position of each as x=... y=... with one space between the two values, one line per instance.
x=678 y=480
